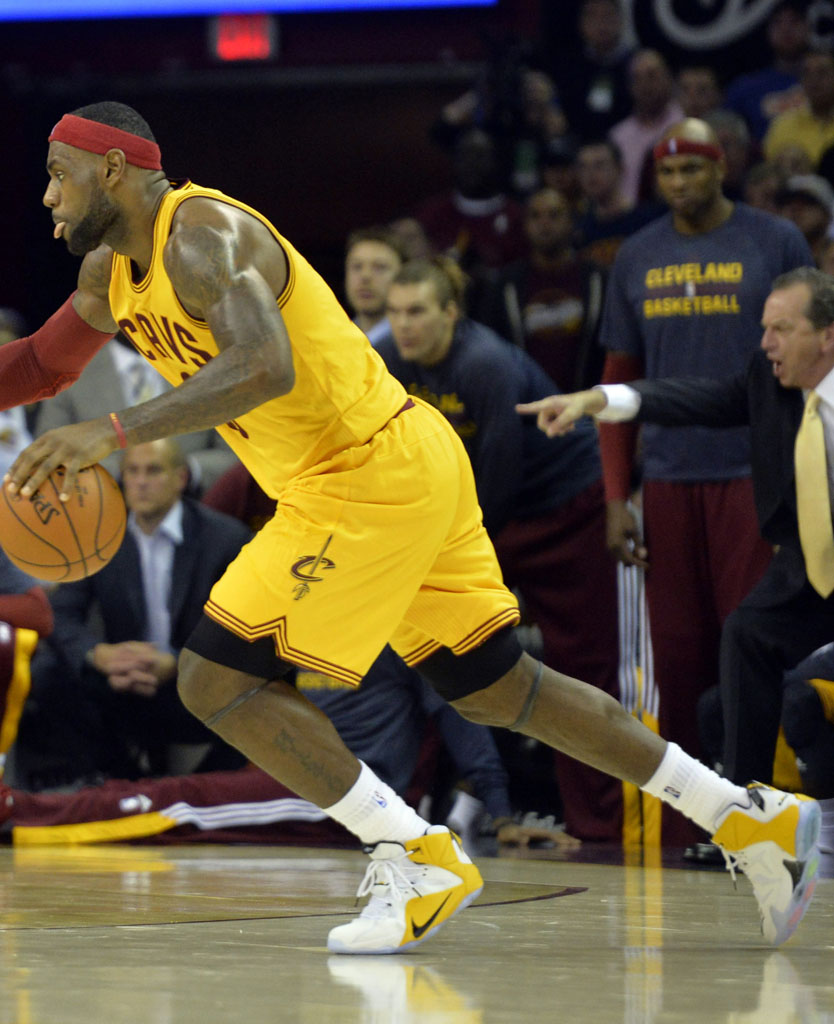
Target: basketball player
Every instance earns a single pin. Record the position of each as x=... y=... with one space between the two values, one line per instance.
x=377 y=535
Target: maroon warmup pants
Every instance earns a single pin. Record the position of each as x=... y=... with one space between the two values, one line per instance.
x=243 y=806
x=705 y=554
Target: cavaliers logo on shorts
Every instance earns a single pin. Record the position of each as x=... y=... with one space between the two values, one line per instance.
x=306 y=568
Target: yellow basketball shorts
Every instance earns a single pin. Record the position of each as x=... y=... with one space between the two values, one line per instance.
x=382 y=544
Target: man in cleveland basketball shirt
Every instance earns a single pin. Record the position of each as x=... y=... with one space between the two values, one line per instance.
x=377 y=535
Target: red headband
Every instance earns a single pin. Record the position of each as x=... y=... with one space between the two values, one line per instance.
x=99 y=138
x=678 y=147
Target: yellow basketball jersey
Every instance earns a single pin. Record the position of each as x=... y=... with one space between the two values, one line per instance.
x=343 y=393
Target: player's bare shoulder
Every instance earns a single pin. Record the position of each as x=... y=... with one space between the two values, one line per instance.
x=211 y=242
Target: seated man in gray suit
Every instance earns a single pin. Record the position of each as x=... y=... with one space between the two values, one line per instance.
x=118 y=369
x=104 y=698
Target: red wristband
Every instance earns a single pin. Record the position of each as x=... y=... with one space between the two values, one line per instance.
x=120 y=430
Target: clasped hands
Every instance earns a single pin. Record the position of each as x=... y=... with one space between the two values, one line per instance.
x=133 y=666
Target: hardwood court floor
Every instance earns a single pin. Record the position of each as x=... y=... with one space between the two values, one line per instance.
x=210 y=935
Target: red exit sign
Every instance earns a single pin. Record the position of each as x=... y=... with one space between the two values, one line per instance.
x=237 y=37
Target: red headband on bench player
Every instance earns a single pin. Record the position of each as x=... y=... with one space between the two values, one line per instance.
x=678 y=147
x=99 y=138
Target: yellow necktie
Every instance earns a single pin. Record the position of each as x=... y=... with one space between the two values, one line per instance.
x=813 y=503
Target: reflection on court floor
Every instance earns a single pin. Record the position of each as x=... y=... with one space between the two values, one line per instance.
x=143 y=935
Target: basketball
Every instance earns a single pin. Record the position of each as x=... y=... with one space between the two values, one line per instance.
x=62 y=541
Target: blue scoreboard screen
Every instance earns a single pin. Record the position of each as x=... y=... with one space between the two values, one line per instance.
x=56 y=10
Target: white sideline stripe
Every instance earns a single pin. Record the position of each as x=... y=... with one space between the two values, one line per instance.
x=261 y=812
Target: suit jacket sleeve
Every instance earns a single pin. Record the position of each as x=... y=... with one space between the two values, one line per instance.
x=678 y=401
x=211 y=541
x=72 y=637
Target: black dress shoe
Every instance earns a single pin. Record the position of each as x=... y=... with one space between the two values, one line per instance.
x=704 y=853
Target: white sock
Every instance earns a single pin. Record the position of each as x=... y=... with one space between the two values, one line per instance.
x=375 y=813
x=693 y=789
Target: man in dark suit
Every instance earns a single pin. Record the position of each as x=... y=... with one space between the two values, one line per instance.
x=105 y=699
x=784 y=618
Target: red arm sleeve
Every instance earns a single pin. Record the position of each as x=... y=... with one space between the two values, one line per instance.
x=49 y=360
x=617 y=441
x=31 y=610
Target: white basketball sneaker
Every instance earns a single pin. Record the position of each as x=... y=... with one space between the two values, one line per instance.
x=774 y=842
x=414 y=888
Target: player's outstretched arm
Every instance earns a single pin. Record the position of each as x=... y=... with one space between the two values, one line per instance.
x=557 y=414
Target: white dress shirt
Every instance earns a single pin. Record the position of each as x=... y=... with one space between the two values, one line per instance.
x=156 y=557
x=623 y=403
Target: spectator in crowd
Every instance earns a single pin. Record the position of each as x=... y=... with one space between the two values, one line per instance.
x=685 y=297
x=592 y=79
x=810 y=126
x=792 y=159
x=734 y=138
x=761 y=95
x=476 y=223
x=698 y=90
x=762 y=185
x=608 y=217
x=411 y=237
x=544 y=125
x=808 y=200
x=542 y=504
x=653 y=110
x=118 y=375
x=549 y=303
x=372 y=258
x=559 y=171
x=106 y=701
